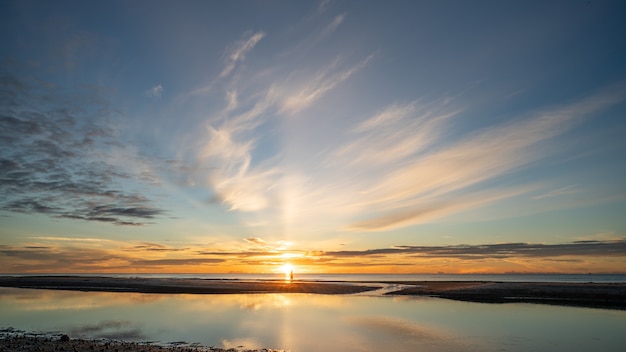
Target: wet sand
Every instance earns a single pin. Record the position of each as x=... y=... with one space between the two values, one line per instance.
x=168 y=285
x=597 y=295
x=593 y=295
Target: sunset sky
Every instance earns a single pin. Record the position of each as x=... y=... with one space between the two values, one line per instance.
x=337 y=136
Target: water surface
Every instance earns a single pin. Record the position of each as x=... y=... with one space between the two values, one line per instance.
x=308 y=322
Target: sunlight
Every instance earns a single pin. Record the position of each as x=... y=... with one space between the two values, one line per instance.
x=287 y=269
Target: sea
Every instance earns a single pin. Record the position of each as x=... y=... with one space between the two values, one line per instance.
x=315 y=322
x=564 y=278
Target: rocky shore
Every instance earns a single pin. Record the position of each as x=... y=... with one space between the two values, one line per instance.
x=20 y=341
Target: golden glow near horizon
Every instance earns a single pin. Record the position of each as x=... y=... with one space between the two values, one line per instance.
x=49 y=255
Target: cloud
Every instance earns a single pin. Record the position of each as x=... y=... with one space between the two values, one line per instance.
x=317 y=86
x=231 y=97
x=154 y=92
x=56 y=157
x=428 y=210
x=255 y=240
x=396 y=168
x=227 y=159
x=405 y=164
x=427 y=177
x=176 y=262
x=333 y=25
x=68 y=239
x=226 y=149
x=238 y=53
x=615 y=248
x=260 y=247
x=232 y=177
x=324 y=5
x=139 y=212
x=571 y=189
x=155 y=247
x=77 y=256
x=52 y=258
x=396 y=133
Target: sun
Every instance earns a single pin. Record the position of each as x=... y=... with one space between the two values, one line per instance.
x=287 y=269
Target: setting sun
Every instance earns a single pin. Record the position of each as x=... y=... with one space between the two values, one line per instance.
x=287 y=269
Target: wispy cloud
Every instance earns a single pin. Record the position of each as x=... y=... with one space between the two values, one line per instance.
x=154 y=92
x=226 y=149
x=396 y=133
x=317 y=86
x=228 y=155
x=238 y=53
x=430 y=209
x=438 y=176
x=401 y=167
x=231 y=98
x=68 y=239
x=571 y=189
x=324 y=5
x=234 y=55
x=333 y=25
x=397 y=167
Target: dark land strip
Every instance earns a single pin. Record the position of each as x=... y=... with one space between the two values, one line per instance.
x=596 y=295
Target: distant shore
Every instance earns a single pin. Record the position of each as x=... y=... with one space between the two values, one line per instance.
x=597 y=295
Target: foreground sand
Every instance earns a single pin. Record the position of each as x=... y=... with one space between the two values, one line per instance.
x=22 y=342
x=597 y=295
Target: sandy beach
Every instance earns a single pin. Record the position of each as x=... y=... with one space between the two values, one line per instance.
x=597 y=295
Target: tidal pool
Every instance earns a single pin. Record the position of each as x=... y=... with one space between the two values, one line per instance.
x=309 y=322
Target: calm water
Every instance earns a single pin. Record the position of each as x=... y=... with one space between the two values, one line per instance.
x=304 y=322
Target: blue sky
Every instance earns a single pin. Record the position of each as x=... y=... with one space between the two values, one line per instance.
x=333 y=135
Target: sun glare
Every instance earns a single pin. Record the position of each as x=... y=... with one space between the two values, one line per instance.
x=287 y=269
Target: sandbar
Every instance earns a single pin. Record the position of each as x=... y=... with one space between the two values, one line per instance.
x=589 y=294
x=178 y=285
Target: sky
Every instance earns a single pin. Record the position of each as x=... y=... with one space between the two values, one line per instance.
x=331 y=136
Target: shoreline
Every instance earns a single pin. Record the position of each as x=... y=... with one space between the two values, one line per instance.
x=17 y=340
x=592 y=295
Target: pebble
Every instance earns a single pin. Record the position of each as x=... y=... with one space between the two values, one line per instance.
x=22 y=343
